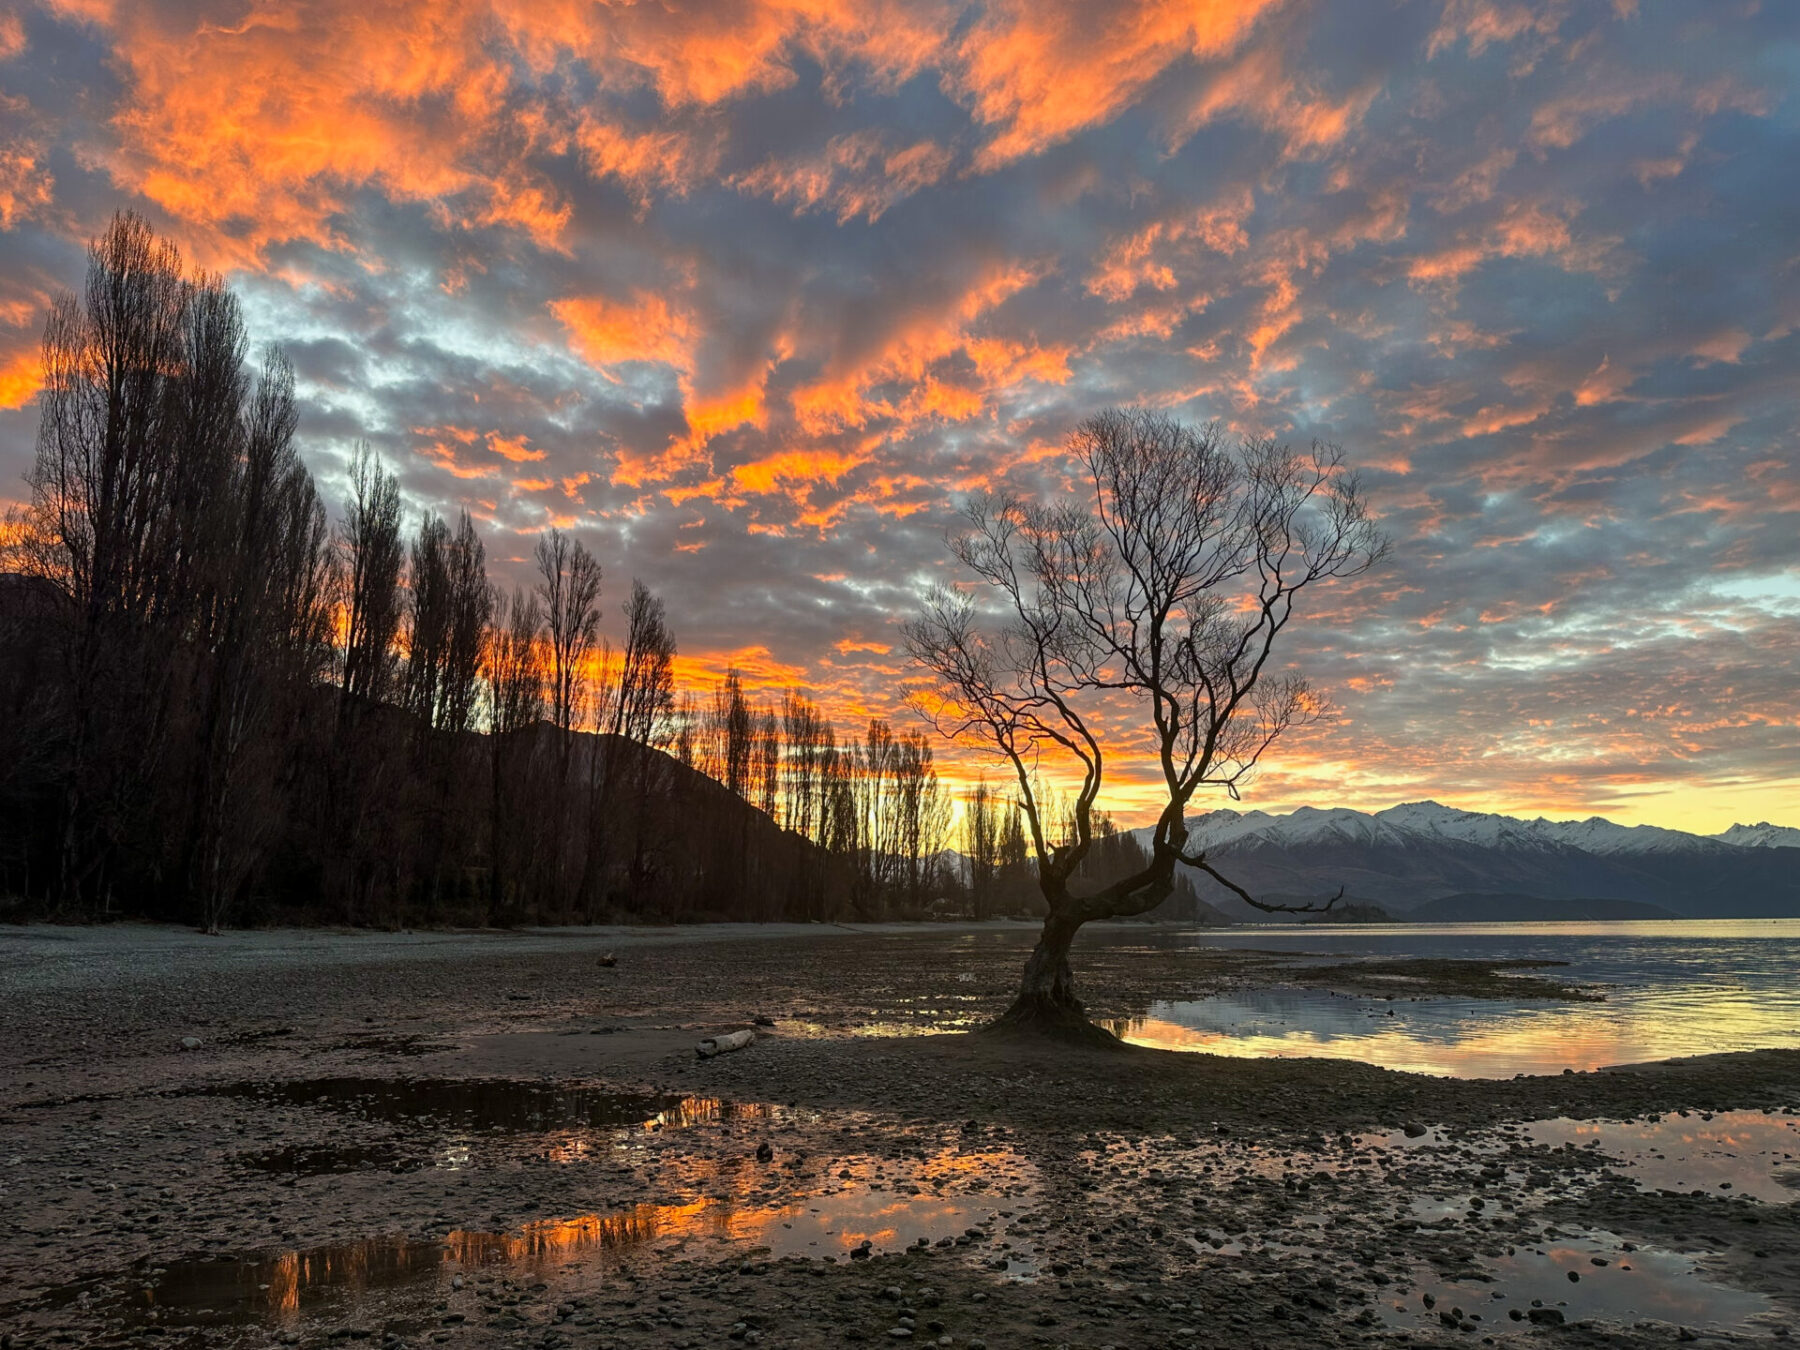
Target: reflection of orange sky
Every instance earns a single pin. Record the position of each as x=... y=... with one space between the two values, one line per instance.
x=872 y=1204
x=1482 y=1048
x=1493 y=1055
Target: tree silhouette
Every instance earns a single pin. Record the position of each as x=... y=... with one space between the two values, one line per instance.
x=1168 y=582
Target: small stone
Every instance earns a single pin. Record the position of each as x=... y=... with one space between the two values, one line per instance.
x=191 y=1042
x=1546 y=1317
x=1413 y=1129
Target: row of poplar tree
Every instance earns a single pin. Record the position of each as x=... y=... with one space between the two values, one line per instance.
x=217 y=706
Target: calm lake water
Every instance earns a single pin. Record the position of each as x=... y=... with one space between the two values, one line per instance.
x=1687 y=987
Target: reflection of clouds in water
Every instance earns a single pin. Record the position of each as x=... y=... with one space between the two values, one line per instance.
x=1460 y=1039
x=1645 y=1283
x=1672 y=989
x=851 y=1200
x=1457 y=1038
x=1748 y=1151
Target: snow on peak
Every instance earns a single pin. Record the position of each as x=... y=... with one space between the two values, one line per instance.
x=1761 y=835
x=1428 y=822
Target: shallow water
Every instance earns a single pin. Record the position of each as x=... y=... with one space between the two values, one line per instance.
x=857 y=1208
x=1500 y=1293
x=1671 y=989
x=1740 y=1153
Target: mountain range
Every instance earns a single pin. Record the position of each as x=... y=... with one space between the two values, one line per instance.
x=1410 y=855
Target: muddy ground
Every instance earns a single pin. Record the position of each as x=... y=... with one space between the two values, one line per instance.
x=495 y=1139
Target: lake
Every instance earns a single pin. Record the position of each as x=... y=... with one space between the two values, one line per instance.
x=1673 y=988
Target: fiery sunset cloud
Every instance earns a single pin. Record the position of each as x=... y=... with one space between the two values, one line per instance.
x=746 y=292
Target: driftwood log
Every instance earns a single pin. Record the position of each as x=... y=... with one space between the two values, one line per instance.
x=724 y=1044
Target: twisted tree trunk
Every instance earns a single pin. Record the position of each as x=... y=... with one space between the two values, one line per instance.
x=1046 y=1004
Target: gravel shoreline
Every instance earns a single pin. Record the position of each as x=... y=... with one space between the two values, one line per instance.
x=1138 y=1197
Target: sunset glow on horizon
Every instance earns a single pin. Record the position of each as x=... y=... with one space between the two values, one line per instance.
x=747 y=295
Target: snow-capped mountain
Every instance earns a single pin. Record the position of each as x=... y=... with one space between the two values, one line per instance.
x=1413 y=821
x=1421 y=851
x=1761 y=835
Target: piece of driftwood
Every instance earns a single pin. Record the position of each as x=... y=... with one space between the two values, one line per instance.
x=724 y=1044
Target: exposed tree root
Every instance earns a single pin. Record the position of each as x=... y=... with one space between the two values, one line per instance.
x=1050 y=1021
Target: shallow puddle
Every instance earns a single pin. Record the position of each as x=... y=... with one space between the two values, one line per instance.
x=492 y=1103
x=284 y=1286
x=1726 y=1153
x=1571 y=1278
x=830 y=1207
x=447 y=1120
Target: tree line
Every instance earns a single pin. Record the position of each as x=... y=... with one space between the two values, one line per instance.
x=216 y=705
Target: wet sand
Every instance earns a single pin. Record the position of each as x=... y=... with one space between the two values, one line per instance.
x=492 y=1139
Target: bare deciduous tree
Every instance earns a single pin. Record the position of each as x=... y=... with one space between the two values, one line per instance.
x=646 y=696
x=372 y=559
x=1168 y=582
x=513 y=670
x=569 y=591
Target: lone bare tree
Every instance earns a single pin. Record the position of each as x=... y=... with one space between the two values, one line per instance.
x=1167 y=581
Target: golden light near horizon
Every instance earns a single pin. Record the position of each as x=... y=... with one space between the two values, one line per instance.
x=749 y=297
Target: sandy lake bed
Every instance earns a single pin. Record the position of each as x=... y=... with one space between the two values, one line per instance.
x=306 y=1137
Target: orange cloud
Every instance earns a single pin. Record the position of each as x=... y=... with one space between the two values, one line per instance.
x=1484 y=22
x=1260 y=89
x=21 y=376
x=665 y=159
x=1522 y=230
x=12 y=36
x=26 y=186
x=1142 y=258
x=1725 y=348
x=844 y=399
x=769 y=473
x=857 y=174
x=1041 y=70
x=513 y=448
x=647 y=327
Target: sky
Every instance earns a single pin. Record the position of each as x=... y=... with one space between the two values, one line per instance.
x=749 y=294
